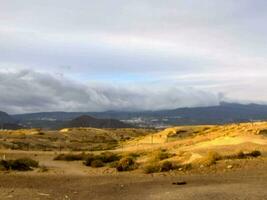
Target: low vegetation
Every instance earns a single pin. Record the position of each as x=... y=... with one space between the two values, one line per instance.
x=101 y=159
x=71 y=157
x=126 y=164
x=160 y=167
x=22 y=164
x=212 y=157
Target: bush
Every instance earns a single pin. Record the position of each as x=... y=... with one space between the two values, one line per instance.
x=126 y=164
x=89 y=159
x=242 y=155
x=97 y=163
x=108 y=157
x=167 y=166
x=151 y=168
x=210 y=159
x=22 y=164
x=162 y=155
x=70 y=157
x=255 y=153
x=105 y=157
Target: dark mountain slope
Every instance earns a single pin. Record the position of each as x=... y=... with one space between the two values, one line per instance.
x=8 y=122
x=88 y=121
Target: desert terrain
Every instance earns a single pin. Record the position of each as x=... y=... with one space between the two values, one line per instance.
x=185 y=162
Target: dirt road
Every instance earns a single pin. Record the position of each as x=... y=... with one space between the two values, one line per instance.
x=233 y=185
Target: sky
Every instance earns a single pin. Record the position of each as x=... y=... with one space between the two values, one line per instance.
x=98 y=55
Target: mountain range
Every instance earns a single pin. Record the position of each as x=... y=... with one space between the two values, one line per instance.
x=220 y=114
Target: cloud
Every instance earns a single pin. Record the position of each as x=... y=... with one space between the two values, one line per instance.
x=150 y=54
x=30 y=91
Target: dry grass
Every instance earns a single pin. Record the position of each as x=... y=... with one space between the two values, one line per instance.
x=126 y=164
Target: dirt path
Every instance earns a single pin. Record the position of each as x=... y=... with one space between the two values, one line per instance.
x=233 y=185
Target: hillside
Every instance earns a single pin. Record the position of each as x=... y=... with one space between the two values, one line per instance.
x=88 y=121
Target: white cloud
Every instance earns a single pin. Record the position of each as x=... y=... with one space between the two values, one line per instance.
x=189 y=48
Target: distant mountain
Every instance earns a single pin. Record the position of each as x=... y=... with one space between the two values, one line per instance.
x=221 y=114
x=88 y=121
x=5 y=118
x=8 y=122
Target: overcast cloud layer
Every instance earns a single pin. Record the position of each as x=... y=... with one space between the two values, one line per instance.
x=101 y=55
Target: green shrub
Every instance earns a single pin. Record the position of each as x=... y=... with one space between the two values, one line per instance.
x=97 y=163
x=126 y=164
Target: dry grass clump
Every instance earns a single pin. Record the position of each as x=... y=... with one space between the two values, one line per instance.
x=126 y=164
x=213 y=157
x=43 y=168
x=161 y=155
x=22 y=164
x=151 y=168
x=210 y=159
x=160 y=167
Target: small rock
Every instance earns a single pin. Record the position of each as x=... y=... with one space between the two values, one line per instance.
x=229 y=166
x=179 y=183
x=43 y=194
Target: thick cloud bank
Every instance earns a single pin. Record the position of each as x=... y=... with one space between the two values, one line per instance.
x=30 y=91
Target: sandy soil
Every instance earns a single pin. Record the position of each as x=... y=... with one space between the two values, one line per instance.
x=237 y=185
x=72 y=180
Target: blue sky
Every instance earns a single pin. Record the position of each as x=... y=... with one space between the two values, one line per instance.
x=123 y=55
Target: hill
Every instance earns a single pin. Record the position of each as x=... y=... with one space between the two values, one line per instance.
x=88 y=121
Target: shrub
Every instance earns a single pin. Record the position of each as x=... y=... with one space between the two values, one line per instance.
x=28 y=161
x=70 y=157
x=162 y=155
x=210 y=159
x=126 y=164
x=151 y=168
x=167 y=166
x=255 y=153
x=97 y=163
x=89 y=159
x=113 y=164
x=108 y=157
x=22 y=164
x=242 y=155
